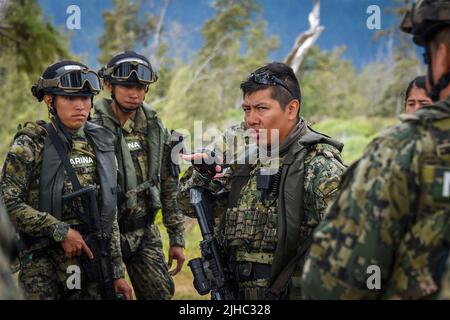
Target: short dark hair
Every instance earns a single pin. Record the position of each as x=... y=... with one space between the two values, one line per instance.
x=418 y=82
x=280 y=94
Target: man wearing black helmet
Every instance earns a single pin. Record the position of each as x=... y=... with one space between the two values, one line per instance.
x=387 y=235
x=146 y=182
x=46 y=166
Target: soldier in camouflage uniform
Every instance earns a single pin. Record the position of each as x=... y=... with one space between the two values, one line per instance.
x=34 y=182
x=391 y=219
x=262 y=225
x=146 y=181
x=8 y=287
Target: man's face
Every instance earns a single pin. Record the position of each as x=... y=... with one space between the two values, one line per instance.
x=72 y=111
x=263 y=112
x=129 y=96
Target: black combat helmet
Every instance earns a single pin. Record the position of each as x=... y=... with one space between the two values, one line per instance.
x=67 y=78
x=128 y=68
x=425 y=19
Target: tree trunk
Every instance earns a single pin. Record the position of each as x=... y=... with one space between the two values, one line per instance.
x=306 y=39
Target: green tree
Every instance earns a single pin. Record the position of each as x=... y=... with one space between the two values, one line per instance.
x=29 y=42
x=235 y=43
x=404 y=64
x=125 y=29
x=329 y=85
x=30 y=37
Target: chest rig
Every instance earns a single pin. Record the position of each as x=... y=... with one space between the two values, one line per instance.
x=139 y=156
x=82 y=158
x=249 y=227
x=265 y=209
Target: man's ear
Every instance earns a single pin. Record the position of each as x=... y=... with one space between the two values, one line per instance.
x=48 y=100
x=108 y=86
x=293 y=109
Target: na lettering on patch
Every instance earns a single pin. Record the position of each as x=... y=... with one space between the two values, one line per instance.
x=134 y=145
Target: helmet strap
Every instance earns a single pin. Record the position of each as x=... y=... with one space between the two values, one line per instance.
x=57 y=122
x=121 y=108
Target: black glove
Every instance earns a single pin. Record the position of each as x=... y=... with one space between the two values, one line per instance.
x=207 y=167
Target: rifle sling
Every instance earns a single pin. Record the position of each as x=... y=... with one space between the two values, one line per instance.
x=62 y=153
x=278 y=286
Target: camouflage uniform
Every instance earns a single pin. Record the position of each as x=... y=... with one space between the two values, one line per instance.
x=445 y=292
x=44 y=263
x=8 y=287
x=249 y=231
x=392 y=212
x=142 y=248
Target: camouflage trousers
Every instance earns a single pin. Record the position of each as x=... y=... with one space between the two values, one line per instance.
x=47 y=274
x=146 y=266
x=8 y=287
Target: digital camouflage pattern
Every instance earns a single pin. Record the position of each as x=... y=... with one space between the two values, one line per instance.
x=248 y=232
x=142 y=249
x=43 y=268
x=393 y=211
x=8 y=287
x=445 y=292
x=147 y=268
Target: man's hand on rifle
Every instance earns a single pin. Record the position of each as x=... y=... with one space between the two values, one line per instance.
x=74 y=245
x=176 y=253
x=122 y=287
x=204 y=163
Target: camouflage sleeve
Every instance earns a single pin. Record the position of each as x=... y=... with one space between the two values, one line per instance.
x=363 y=226
x=18 y=169
x=322 y=177
x=173 y=220
x=116 y=252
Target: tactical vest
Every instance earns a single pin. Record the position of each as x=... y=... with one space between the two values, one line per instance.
x=52 y=177
x=421 y=255
x=156 y=138
x=280 y=224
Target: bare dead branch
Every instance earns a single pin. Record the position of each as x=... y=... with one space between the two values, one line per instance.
x=159 y=26
x=306 y=39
